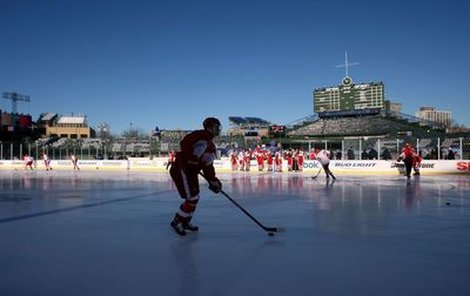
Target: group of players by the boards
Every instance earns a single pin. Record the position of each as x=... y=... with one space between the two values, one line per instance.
x=269 y=161
x=266 y=159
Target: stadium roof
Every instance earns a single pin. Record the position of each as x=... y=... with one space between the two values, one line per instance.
x=48 y=116
x=247 y=120
x=72 y=120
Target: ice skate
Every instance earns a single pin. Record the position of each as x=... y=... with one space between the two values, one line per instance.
x=190 y=227
x=178 y=227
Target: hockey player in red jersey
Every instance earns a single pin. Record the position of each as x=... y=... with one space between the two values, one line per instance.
x=407 y=156
x=28 y=161
x=247 y=160
x=416 y=163
x=312 y=155
x=269 y=161
x=260 y=156
x=278 y=161
x=171 y=159
x=300 y=160
x=197 y=154
x=47 y=162
x=234 y=160
x=241 y=160
x=290 y=160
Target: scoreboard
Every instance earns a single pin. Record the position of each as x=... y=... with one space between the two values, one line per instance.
x=277 y=130
x=349 y=96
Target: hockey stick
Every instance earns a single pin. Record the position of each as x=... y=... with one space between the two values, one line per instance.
x=321 y=168
x=270 y=230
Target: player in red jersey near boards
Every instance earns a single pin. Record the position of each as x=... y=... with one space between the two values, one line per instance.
x=406 y=155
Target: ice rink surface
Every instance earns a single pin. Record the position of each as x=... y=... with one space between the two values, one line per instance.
x=107 y=233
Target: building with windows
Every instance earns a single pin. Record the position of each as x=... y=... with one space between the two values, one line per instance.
x=436 y=116
x=348 y=97
x=74 y=127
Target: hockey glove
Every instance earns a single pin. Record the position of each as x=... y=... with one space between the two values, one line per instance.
x=215 y=185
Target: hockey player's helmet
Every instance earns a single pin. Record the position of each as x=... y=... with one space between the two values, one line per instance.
x=212 y=125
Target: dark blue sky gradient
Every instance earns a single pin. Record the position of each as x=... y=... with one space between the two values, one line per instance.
x=172 y=63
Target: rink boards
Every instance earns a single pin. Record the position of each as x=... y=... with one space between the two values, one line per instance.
x=223 y=165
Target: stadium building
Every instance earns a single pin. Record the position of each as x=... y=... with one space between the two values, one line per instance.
x=248 y=127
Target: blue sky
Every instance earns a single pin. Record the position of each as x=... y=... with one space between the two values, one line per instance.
x=173 y=63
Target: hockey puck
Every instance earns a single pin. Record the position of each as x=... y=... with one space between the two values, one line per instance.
x=270 y=233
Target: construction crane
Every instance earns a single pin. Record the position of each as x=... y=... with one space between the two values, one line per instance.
x=15 y=97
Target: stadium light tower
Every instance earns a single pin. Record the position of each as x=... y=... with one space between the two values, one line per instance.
x=15 y=97
x=346 y=64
